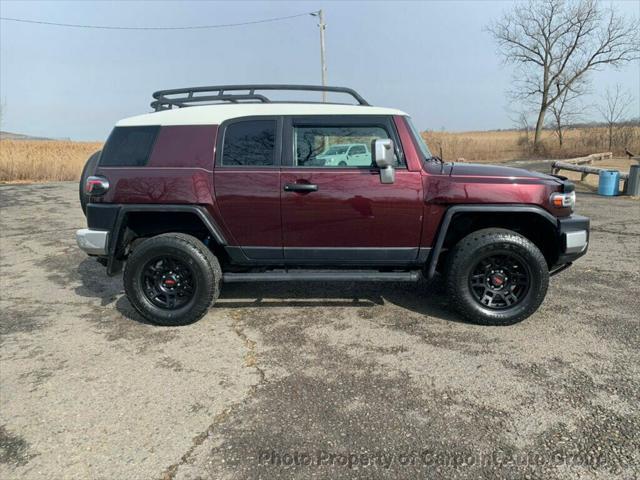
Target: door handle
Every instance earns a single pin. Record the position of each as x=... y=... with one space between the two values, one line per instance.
x=300 y=187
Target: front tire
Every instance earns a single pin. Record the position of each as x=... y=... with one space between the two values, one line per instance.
x=172 y=279
x=496 y=277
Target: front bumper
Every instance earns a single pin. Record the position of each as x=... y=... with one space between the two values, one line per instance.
x=574 y=238
x=94 y=242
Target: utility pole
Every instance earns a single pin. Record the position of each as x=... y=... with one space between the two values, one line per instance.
x=323 y=60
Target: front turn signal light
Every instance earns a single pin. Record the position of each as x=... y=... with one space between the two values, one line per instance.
x=563 y=200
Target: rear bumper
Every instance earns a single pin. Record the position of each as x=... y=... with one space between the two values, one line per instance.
x=94 y=242
x=574 y=238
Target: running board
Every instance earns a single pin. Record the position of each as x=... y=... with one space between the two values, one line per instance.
x=322 y=276
x=559 y=269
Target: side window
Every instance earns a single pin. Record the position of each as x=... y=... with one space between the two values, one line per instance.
x=340 y=146
x=249 y=143
x=129 y=147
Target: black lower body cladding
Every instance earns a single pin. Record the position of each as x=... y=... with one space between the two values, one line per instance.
x=112 y=217
x=574 y=234
x=102 y=216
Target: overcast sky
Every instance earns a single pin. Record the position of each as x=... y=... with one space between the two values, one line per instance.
x=430 y=59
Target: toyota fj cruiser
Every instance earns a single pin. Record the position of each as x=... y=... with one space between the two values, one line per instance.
x=222 y=184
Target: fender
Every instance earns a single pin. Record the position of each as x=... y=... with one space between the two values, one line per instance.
x=112 y=216
x=487 y=208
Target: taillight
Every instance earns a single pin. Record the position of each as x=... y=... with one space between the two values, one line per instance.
x=563 y=200
x=96 y=186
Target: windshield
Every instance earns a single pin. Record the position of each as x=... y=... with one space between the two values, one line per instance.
x=419 y=140
x=335 y=151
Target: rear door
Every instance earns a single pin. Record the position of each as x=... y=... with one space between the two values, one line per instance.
x=344 y=215
x=247 y=186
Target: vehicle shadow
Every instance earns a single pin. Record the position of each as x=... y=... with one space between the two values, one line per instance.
x=422 y=298
x=94 y=283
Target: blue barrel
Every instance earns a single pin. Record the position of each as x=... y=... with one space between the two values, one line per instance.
x=609 y=183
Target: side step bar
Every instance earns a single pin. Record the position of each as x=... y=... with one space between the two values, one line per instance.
x=322 y=276
x=559 y=269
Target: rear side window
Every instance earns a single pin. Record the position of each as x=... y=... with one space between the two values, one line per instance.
x=249 y=143
x=129 y=146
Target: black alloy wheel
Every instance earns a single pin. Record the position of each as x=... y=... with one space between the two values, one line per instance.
x=500 y=281
x=168 y=282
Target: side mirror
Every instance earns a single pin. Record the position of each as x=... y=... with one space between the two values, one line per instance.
x=384 y=156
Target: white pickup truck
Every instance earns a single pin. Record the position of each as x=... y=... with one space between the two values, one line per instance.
x=346 y=155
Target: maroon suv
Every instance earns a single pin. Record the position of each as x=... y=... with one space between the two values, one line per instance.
x=222 y=184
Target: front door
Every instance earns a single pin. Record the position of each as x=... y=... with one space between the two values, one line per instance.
x=338 y=212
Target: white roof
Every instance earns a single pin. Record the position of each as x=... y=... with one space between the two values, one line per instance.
x=216 y=114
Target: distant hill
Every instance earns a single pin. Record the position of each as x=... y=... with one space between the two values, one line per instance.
x=19 y=136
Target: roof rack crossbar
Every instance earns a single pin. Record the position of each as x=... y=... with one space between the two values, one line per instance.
x=185 y=97
x=190 y=99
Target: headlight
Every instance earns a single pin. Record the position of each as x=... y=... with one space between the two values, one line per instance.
x=563 y=200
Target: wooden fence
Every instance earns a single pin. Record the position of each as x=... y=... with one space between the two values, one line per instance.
x=580 y=165
x=583 y=169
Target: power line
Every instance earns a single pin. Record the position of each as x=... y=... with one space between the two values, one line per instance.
x=194 y=27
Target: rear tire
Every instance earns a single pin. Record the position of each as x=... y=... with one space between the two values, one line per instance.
x=172 y=279
x=496 y=277
x=88 y=170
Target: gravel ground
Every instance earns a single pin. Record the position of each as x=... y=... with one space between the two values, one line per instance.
x=312 y=380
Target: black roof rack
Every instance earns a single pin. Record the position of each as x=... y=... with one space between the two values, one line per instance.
x=186 y=97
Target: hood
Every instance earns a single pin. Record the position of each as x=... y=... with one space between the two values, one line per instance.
x=479 y=170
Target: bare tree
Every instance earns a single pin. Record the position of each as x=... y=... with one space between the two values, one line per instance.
x=556 y=43
x=565 y=111
x=614 y=109
x=520 y=120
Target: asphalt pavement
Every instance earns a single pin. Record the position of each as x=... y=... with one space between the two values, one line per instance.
x=312 y=380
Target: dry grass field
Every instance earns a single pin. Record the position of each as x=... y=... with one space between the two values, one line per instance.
x=43 y=160
x=504 y=145
x=51 y=160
